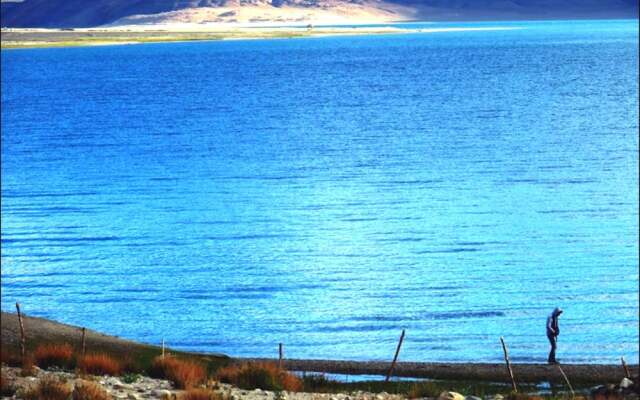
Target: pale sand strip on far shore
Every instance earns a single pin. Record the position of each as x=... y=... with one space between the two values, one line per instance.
x=134 y=34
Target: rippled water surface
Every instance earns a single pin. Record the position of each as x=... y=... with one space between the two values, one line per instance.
x=329 y=192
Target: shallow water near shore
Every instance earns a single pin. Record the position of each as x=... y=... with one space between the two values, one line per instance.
x=327 y=193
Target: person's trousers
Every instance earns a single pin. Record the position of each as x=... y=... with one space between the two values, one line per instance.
x=552 y=354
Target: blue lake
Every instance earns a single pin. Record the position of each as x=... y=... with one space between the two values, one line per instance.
x=329 y=192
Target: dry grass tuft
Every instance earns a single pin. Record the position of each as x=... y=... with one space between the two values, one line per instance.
x=266 y=376
x=517 y=396
x=200 y=394
x=90 y=391
x=183 y=373
x=99 y=364
x=10 y=358
x=54 y=355
x=28 y=367
x=130 y=365
x=48 y=389
x=423 y=389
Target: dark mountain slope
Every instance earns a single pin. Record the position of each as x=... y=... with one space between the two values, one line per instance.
x=523 y=9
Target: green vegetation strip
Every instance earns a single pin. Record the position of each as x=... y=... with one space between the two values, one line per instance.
x=26 y=39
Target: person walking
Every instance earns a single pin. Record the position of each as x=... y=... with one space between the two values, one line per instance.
x=553 y=330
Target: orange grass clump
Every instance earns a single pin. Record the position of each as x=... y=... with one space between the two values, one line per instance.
x=200 y=394
x=90 y=391
x=99 y=364
x=54 y=355
x=183 y=373
x=265 y=376
x=48 y=389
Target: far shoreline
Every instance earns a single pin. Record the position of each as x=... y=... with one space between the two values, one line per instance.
x=58 y=38
x=26 y=38
x=117 y=35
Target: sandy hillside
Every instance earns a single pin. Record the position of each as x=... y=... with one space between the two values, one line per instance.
x=328 y=12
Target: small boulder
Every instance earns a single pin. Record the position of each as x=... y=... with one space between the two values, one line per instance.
x=160 y=393
x=450 y=396
x=122 y=386
x=626 y=383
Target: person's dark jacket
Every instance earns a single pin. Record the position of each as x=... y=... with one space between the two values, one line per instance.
x=552 y=323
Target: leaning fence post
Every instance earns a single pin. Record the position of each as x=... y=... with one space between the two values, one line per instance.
x=84 y=342
x=506 y=359
x=23 y=340
x=627 y=374
x=280 y=355
x=395 y=357
x=573 y=394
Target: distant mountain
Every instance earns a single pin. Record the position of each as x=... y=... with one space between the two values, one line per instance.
x=86 y=13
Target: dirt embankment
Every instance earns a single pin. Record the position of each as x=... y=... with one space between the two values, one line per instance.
x=40 y=330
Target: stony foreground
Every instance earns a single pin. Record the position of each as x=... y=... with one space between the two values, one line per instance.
x=147 y=388
x=141 y=388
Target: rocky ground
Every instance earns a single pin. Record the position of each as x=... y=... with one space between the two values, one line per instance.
x=147 y=388
x=142 y=388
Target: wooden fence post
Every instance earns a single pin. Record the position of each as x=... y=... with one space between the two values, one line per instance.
x=280 y=355
x=84 y=341
x=395 y=357
x=163 y=348
x=23 y=340
x=573 y=394
x=627 y=374
x=506 y=359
